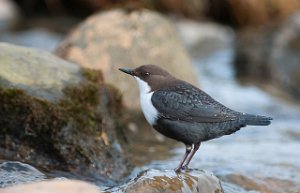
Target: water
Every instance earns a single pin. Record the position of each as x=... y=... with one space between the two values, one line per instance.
x=267 y=157
x=13 y=173
x=35 y=37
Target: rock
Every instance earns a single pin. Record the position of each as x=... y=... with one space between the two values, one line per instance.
x=58 y=116
x=9 y=14
x=114 y=39
x=264 y=185
x=39 y=73
x=13 y=173
x=54 y=186
x=155 y=181
x=252 y=53
x=204 y=38
x=285 y=56
x=271 y=56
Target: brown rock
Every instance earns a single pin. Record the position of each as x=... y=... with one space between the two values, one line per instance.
x=114 y=39
x=264 y=185
x=155 y=181
x=53 y=186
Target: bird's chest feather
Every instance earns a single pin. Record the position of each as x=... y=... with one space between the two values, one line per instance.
x=148 y=109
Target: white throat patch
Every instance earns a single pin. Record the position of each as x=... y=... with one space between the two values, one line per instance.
x=148 y=109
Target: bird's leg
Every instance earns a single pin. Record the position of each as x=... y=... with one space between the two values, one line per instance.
x=188 y=149
x=196 y=147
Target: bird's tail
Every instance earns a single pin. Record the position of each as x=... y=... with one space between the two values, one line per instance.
x=256 y=120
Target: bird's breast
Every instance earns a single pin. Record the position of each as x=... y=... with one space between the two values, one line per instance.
x=150 y=112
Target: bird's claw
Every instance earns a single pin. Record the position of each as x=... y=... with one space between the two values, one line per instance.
x=178 y=170
x=185 y=167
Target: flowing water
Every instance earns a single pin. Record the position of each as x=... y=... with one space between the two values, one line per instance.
x=265 y=159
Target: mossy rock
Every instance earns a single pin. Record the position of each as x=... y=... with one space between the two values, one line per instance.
x=116 y=38
x=60 y=117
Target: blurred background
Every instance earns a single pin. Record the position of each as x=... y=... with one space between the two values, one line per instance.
x=244 y=53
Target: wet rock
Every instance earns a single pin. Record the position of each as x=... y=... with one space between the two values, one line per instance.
x=252 y=53
x=155 y=181
x=204 y=38
x=13 y=173
x=271 y=56
x=285 y=56
x=54 y=186
x=114 y=39
x=57 y=116
x=266 y=185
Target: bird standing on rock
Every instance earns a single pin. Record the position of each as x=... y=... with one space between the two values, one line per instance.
x=185 y=113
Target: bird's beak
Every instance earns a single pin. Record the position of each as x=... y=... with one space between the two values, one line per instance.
x=127 y=71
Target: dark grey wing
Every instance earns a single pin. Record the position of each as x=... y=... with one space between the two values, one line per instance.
x=192 y=105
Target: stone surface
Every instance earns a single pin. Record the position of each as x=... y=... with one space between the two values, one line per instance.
x=38 y=72
x=53 y=186
x=13 y=173
x=114 y=39
x=285 y=56
x=58 y=116
x=204 y=38
x=271 y=56
x=264 y=185
x=155 y=181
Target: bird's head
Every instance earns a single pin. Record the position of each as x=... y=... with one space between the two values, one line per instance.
x=153 y=75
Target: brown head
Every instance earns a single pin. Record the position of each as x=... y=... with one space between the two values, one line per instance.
x=155 y=76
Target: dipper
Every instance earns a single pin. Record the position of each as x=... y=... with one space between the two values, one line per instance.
x=185 y=113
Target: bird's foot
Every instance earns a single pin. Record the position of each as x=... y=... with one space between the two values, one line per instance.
x=186 y=168
x=178 y=169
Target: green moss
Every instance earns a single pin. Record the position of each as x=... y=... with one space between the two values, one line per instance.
x=29 y=121
x=93 y=75
x=81 y=102
x=80 y=106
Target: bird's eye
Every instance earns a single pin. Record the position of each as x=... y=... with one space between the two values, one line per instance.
x=146 y=74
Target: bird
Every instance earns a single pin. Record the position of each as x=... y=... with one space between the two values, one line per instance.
x=183 y=112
